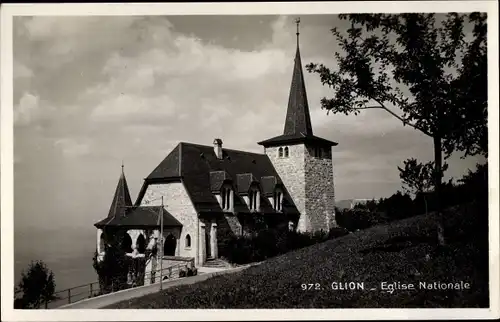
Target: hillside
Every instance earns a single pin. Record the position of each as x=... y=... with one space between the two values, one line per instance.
x=400 y=252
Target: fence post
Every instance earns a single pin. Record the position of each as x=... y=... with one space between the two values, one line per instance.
x=90 y=295
x=69 y=295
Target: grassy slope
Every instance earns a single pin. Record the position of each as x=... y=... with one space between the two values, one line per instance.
x=392 y=253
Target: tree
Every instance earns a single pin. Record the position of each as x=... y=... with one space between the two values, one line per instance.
x=397 y=206
x=113 y=269
x=431 y=72
x=37 y=285
x=417 y=177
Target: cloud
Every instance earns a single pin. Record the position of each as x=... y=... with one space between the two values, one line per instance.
x=27 y=109
x=21 y=71
x=92 y=91
x=132 y=107
x=72 y=148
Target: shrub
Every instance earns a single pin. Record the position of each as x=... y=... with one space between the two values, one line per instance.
x=272 y=242
x=37 y=285
x=113 y=269
x=356 y=218
x=337 y=232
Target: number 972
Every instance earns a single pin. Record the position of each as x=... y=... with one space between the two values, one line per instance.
x=310 y=286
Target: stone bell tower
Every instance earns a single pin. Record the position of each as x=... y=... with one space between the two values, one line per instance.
x=304 y=161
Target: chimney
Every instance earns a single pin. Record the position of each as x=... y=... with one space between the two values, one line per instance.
x=218 y=148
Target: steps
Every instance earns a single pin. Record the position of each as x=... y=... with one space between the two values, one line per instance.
x=216 y=263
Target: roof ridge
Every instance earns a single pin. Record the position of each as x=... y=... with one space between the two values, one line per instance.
x=225 y=149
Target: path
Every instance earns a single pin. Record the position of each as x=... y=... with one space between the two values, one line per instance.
x=108 y=299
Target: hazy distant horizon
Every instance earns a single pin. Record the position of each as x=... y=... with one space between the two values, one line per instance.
x=67 y=252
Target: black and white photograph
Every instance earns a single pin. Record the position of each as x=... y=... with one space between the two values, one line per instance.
x=268 y=156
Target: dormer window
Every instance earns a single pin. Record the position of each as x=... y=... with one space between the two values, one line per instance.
x=278 y=200
x=286 y=152
x=280 y=152
x=227 y=195
x=254 y=199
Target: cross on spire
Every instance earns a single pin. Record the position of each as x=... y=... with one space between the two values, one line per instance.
x=297 y=21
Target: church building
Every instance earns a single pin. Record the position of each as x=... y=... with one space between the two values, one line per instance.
x=211 y=193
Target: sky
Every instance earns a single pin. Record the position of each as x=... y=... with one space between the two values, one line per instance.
x=91 y=92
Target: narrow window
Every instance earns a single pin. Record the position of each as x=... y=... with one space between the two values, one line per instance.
x=223 y=197
x=278 y=200
x=102 y=243
x=188 y=241
x=226 y=195
x=253 y=195
x=280 y=152
x=286 y=152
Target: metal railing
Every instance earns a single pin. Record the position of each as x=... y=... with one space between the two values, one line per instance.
x=89 y=290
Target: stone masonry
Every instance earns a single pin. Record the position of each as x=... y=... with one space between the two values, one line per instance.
x=177 y=202
x=309 y=181
x=319 y=187
x=291 y=171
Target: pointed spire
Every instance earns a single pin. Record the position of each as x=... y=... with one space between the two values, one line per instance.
x=121 y=199
x=298 y=120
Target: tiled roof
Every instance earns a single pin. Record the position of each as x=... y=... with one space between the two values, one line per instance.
x=121 y=198
x=268 y=184
x=298 y=127
x=169 y=167
x=198 y=165
x=244 y=181
x=217 y=179
x=298 y=119
x=293 y=139
x=140 y=217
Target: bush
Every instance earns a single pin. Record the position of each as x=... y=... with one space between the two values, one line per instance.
x=272 y=242
x=337 y=232
x=37 y=285
x=358 y=218
x=113 y=269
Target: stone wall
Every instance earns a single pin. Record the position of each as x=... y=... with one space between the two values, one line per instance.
x=168 y=268
x=309 y=181
x=178 y=203
x=320 y=194
x=291 y=171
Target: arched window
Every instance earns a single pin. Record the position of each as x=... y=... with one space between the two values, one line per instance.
x=102 y=244
x=286 y=152
x=188 y=241
x=280 y=152
x=226 y=195
x=278 y=200
x=126 y=243
x=169 y=245
x=141 y=244
x=254 y=198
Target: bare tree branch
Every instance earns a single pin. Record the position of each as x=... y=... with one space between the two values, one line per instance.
x=383 y=107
